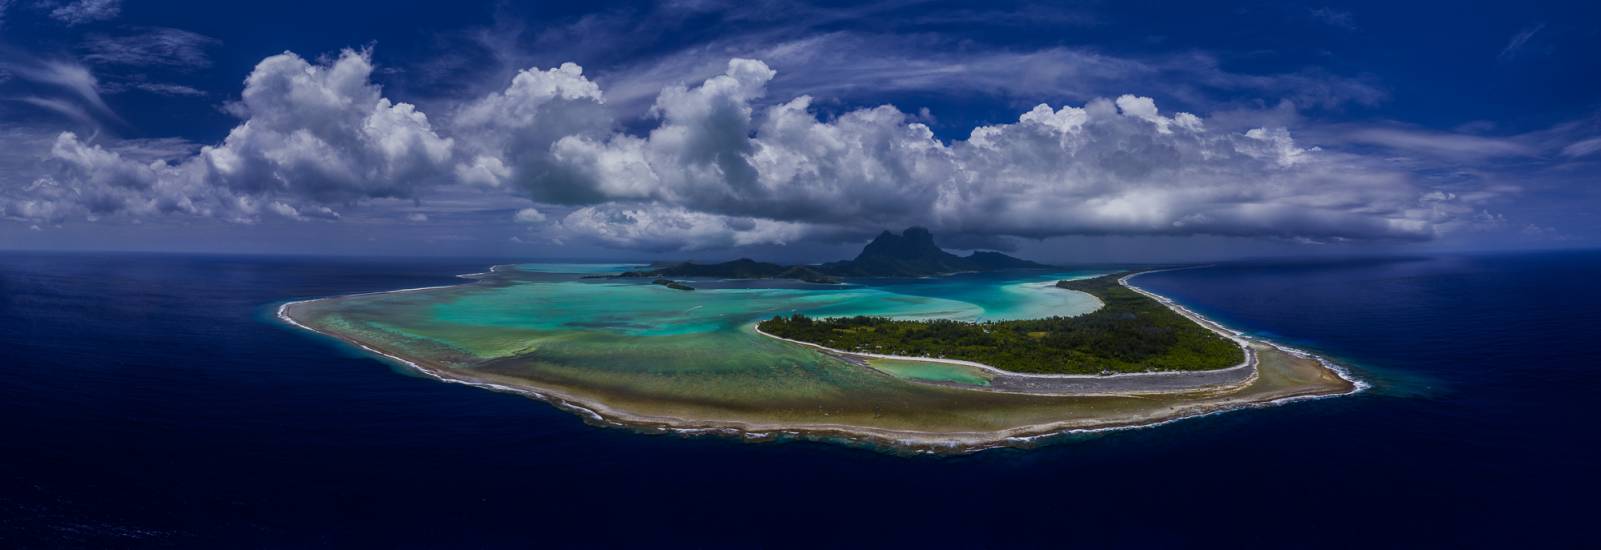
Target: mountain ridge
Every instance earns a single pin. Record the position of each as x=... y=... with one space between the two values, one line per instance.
x=912 y=253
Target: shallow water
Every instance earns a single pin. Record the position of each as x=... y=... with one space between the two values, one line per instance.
x=932 y=372
x=649 y=350
x=562 y=310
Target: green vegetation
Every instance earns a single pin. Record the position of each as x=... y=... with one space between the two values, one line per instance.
x=1132 y=333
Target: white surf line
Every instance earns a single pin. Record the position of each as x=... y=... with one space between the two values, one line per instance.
x=1338 y=370
x=592 y=411
x=1249 y=362
x=1231 y=334
x=471 y=278
x=431 y=373
x=627 y=420
x=905 y=439
x=1240 y=336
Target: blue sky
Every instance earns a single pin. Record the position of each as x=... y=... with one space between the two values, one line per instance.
x=1066 y=131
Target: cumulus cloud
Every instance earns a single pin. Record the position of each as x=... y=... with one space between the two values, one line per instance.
x=722 y=164
x=528 y=215
x=1111 y=166
x=325 y=132
x=661 y=228
x=508 y=135
x=313 y=136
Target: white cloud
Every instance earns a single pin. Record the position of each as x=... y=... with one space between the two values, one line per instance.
x=1583 y=147
x=167 y=89
x=664 y=228
x=87 y=11
x=1107 y=167
x=1441 y=144
x=314 y=135
x=325 y=133
x=861 y=66
x=155 y=46
x=528 y=215
x=81 y=85
x=722 y=166
x=1335 y=18
x=508 y=135
x=61 y=107
x=1519 y=42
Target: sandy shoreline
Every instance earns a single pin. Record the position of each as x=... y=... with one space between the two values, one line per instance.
x=1208 y=401
x=1129 y=383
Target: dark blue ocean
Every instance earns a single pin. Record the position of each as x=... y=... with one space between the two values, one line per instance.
x=152 y=401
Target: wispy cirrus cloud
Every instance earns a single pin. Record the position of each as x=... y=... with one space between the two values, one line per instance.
x=1519 y=42
x=150 y=47
x=61 y=107
x=1583 y=147
x=78 y=12
x=161 y=88
x=1452 y=145
x=857 y=66
x=1334 y=18
x=82 y=98
x=853 y=54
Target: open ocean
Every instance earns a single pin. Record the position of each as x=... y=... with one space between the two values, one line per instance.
x=154 y=401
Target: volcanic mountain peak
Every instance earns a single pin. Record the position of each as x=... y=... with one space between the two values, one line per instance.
x=912 y=253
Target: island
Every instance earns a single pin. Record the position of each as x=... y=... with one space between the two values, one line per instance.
x=914 y=350
x=675 y=285
x=1129 y=333
x=912 y=253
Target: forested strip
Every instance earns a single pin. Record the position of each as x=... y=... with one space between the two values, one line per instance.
x=1132 y=333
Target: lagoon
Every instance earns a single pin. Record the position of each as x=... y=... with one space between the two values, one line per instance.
x=624 y=352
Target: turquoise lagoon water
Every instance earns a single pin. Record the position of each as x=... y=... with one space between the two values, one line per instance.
x=932 y=372
x=621 y=324
x=636 y=308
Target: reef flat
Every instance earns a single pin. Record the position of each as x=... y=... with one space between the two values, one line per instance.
x=631 y=353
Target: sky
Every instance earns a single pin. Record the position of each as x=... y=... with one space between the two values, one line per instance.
x=790 y=131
